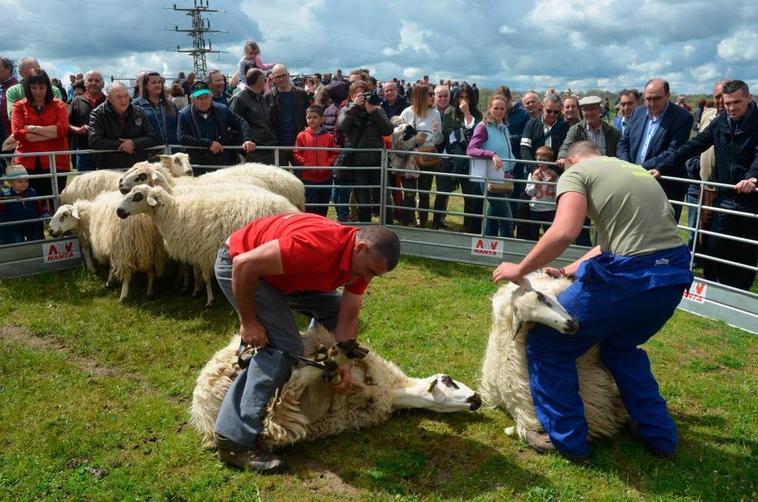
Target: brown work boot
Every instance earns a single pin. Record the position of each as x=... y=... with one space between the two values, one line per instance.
x=540 y=442
x=243 y=458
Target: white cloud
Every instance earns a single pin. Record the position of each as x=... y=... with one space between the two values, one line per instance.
x=742 y=46
x=506 y=30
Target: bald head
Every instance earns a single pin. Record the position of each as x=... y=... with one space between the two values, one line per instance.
x=25 y=65
x=657 y=96
x=93 y=83
x=582 y=150
x=118 y=97
x=281 y=77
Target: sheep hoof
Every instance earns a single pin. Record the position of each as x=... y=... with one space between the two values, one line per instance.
x=509 y=431
x=122 y=299
x=209 y=303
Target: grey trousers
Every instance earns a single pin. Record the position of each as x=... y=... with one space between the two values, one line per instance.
x=239 y=418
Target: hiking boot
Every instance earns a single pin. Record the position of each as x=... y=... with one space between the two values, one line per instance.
x=243 y=458
x=540 y=442
x=632 y=428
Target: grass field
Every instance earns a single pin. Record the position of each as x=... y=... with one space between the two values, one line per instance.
x=94 y=398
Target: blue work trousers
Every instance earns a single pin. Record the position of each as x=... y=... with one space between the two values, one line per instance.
x=619 y=313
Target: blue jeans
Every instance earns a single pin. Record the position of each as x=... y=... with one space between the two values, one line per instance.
x=319 y=193
x=85 y=162
x=692 y=218
x=239 y=418
x=341 y=195
x=498 y=207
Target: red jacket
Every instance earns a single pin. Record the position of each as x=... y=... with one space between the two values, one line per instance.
x=319 y=158
x=53 y=114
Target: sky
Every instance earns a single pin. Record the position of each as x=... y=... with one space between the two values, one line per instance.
x=579 y=44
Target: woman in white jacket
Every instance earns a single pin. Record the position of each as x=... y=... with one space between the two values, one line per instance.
x=425 y=118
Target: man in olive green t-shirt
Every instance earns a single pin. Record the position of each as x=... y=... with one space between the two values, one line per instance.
x=626 y=288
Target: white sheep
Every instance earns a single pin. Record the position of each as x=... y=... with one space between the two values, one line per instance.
x=90 y=184
x=128 y=246
x=505 y=375
x=307 y=407
x=194 y=225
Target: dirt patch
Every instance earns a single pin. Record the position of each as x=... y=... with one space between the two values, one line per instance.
x=39 y=341
x=323 y=481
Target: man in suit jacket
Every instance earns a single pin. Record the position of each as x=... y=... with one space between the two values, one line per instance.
x=653 y=136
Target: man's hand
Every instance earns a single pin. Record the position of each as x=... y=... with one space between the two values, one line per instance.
x=553 y=272
x=254 y=334
x=561 y=163
x=216 y=147
x=248 y=146
x=420 y=138
x=507 y=272
x=346 y=374
x=126 y=146
x=360 y=100
x=81 y=130
x=655 y=173
x=746 y=186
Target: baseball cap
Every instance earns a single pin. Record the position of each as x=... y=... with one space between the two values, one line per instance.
x=199 y=88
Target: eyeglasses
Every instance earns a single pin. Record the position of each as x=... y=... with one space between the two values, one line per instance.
x=552 y=112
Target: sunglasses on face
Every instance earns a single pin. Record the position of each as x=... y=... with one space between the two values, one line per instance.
x=552 y=112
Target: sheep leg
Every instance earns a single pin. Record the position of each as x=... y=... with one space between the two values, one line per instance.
x=151 y=284
x=207 y=276
x=198 y=274
x=89 y=262
x=109 y=281
x=124 y=287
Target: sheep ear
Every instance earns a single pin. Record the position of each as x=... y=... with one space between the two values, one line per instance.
x=152 y=201
x=156 y=177
x=525 y=284
x=432 y=386
x=74 y=212
x=516 y=327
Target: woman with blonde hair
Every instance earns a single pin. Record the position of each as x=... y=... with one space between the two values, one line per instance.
x=425 y=119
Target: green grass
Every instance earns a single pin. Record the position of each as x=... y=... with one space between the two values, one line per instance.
x=94 y=398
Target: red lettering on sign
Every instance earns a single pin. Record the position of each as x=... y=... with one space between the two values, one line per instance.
x=53 y=250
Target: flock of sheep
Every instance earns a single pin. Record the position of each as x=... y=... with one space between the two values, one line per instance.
x=136 y=221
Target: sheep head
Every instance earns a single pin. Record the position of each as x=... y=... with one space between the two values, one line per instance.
x=519 y=304
x=178 y=164
x=141 y=173
x=438 y=393
x=142 y=199
x=66 y=219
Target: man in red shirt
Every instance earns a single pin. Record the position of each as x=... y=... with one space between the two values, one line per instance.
x=269 y=269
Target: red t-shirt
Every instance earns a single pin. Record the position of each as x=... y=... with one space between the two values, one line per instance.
x=316 y=251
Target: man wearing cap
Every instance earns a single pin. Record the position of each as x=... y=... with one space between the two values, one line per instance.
x=591 y=128
x=270 y=269
x=117 y=125
x=653 y=135
x=211 y=126
x=251 y=104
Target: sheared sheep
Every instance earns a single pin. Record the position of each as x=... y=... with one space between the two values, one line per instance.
x=128 y=246
x=307 y=408
x=505 y=376
x=272 y=178
x=194 y=225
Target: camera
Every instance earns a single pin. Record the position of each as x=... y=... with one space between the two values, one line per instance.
x=409 y=132
x=372 y=98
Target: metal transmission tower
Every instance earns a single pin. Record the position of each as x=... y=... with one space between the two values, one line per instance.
x=200 y=26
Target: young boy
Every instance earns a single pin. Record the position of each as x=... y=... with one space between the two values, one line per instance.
x=318 y=182
x=542 y=202
x=21 y=210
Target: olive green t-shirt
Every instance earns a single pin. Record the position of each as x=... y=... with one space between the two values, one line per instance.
x=627 y=205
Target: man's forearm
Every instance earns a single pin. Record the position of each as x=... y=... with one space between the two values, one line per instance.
x=244 y=287
x=571 y=269
x=552 y=244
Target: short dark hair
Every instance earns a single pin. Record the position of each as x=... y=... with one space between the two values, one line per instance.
x=79 y=84
x=634 y=93
x=734 y=86
x=503 y=90
x=315 y=109
x=382 y=243
x=7 y=63
x=253 y=75
x=38 y=76
x=583 y=148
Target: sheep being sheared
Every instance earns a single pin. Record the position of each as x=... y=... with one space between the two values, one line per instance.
x=505 y=376
x=307 y=408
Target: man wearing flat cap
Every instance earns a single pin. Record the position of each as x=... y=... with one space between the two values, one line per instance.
x=592 y=128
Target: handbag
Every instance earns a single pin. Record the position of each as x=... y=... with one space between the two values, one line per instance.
x=427 y=161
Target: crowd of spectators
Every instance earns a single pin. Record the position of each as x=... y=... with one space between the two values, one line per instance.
x=262 y=105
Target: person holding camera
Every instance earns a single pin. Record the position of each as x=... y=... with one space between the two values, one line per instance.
x=363 y=124
x=425 y=119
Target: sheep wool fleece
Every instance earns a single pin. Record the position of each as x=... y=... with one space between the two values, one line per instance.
x=276 y=298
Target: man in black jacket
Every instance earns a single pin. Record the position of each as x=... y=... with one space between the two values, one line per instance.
x=734 y=137
x=288 y=104
x=251 y=105
x=117 y=125
x=212 y=126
